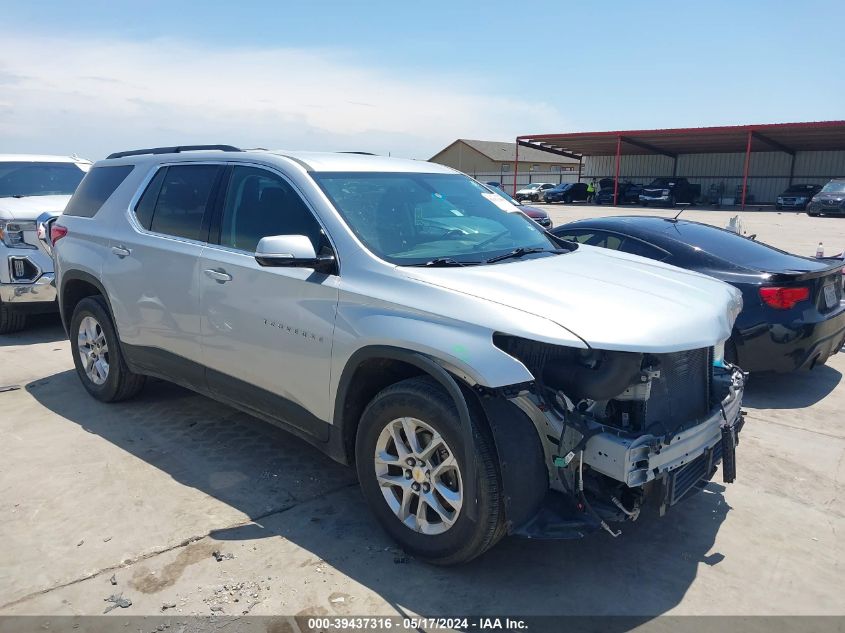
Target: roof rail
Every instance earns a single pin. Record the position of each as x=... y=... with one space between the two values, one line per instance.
x=359 y=153
x=173 y=150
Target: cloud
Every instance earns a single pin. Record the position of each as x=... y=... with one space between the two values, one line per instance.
x=93 y=97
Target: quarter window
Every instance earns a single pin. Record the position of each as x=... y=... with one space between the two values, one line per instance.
x=97 y=187
x=147 y=204
x=259 y=204
x=182 y=200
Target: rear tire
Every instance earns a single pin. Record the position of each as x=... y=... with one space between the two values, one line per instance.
x=387 y=479
x=11 y=320
x=97 y=354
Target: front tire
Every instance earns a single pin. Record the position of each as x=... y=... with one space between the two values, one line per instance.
x=97 y=354
x=11 y=320
x=422 y=504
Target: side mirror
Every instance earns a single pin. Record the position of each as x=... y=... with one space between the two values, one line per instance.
x=293 y=251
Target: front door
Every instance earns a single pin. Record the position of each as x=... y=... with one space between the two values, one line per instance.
x=267 y=331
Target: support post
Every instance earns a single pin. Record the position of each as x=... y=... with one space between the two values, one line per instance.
x=791 y=170
x=616 y=179
x=515 y=167
x=745 y=170
x=675 y=167
x=579 y=169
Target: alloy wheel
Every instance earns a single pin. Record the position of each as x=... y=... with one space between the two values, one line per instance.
x=93 y=350
x=418 y=475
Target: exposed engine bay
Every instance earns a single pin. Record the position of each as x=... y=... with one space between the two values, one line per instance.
x=622 y=428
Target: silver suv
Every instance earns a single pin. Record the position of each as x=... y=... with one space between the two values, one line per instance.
x=484 y=377
x=33 y=191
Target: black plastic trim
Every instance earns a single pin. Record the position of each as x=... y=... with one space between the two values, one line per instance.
x=525 y=478
x=253 y=400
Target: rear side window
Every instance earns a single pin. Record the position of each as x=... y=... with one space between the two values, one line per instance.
x=181 y=202
x=636 y=247
x=97 y=187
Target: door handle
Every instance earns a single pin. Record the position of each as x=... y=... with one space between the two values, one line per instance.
x=121 y=251
x=219 y=276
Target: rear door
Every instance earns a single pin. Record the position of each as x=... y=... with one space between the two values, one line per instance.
x=153 y=271
x=267 y=331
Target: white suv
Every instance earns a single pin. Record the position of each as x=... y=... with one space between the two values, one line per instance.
x=33 y=191
x=483 y=376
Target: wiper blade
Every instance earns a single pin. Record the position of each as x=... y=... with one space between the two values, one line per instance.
x=522 y=252
x=443 y=262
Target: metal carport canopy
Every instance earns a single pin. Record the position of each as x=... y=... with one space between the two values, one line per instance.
x=782 y=137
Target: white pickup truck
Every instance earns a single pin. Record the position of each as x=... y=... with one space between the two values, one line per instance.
x=33 y=191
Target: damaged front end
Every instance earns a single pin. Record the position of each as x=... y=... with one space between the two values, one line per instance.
x=618 y=432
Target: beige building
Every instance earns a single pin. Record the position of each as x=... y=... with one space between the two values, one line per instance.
x=493 y=161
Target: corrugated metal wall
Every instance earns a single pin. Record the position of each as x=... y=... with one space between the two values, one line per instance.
x=768 y=173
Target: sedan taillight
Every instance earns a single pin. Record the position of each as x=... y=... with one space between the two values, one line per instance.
x=784 y=298
x=57 y=232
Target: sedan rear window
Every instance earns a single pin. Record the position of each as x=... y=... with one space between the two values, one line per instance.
x=735 y=248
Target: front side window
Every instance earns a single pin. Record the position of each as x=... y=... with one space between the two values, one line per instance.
x=260 y=204
x=413 y=218
x=181 y=201
x=614 y=242
x=24 y=179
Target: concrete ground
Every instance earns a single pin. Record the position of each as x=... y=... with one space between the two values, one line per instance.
x=186 y=506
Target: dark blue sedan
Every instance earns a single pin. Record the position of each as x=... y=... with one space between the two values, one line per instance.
x=793 y=315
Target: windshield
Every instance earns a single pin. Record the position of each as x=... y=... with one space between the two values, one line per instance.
x=412 y=219
x=834 y=186
x=533 y=185
x=21 y=179
x=661 y=182
x=800 y=189
x=563 y=187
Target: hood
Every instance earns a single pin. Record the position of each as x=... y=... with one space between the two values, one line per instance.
x=527 y=190
x=533 y=212
x=611 y=300
x=835 y=196
x=30 y=207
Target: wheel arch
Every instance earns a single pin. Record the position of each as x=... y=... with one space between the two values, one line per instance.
x=75 y=286
x=371 y=369
x=522 y=467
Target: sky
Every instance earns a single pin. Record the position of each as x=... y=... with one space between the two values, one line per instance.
x=403 y=78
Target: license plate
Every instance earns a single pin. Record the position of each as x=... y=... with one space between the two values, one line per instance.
x=830 y=295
